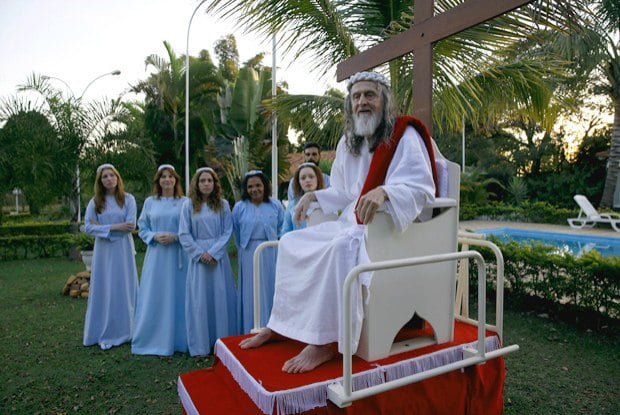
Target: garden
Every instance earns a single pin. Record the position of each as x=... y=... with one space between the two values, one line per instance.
x=528 y=103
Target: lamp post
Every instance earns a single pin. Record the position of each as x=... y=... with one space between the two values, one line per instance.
x=274 y=124
x=189 y=25
x=79 y=102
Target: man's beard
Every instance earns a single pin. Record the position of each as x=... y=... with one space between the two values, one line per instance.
x=365 y=125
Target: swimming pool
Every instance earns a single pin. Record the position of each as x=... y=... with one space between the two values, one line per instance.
x=571 y=243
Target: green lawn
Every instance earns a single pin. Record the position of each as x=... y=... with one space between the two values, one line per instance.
x=46 y=370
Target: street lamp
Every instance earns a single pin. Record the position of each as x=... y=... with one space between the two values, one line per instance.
x=79 y=102
x=189 y=25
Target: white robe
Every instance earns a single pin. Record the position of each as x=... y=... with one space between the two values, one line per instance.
x=313 y=263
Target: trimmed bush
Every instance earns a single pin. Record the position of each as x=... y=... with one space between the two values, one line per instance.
x=35 y=246
x=536 y=212
x=589 y=282
x=35 y=228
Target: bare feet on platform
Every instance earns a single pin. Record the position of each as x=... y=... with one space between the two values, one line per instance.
x=263 y=336
x=309 y=358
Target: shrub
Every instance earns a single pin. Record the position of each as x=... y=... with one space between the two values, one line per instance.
x=35 y=228
x=589 y=282
x=537 y=212
x=35 y=246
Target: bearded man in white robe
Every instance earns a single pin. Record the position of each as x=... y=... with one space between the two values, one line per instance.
x=314 y=262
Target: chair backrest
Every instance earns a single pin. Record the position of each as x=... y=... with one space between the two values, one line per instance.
x=586 y=206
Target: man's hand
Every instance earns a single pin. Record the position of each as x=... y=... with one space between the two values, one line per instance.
x=302 y=207
x=369 y=203
x=165 y=238
x=206 y=258
x=123 y=227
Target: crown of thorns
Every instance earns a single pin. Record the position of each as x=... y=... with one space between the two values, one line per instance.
x=367 y=76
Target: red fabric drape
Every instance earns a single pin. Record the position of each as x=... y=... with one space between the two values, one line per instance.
x=476 y=390
x=384 y=153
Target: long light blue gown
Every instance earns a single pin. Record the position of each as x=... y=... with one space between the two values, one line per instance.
x=114 y=278
x=159 y=325
x=253 y=225
x=210 y=299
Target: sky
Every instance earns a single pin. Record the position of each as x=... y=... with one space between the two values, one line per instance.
x=78 y=40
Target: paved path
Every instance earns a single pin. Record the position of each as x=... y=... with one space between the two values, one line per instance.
x=598 y=230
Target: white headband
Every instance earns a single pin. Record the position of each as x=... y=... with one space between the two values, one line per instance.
x=202 y=169
x=253 y=173
x=307 y=164
x=367 y=76
x=104 y=166
x=165 y=166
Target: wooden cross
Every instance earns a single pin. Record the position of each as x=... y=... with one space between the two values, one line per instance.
x=427 y=29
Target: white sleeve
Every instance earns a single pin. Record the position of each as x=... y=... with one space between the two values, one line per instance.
x=409 y=181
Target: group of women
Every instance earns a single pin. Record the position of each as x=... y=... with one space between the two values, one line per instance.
x=186 y=298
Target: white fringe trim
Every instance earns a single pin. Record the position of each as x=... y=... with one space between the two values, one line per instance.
x=289 y=401
x=432 y=360
x=307 y=397
x=186 y=400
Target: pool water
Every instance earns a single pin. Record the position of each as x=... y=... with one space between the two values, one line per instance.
x=571 y=243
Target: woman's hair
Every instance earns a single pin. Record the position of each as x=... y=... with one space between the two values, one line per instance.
x=383 y=131
x=100 y=191
x=320 y=183
x=266 y=185
x=214 y=200
x=157 y=190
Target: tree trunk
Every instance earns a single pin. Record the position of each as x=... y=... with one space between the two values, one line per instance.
x=613 y=165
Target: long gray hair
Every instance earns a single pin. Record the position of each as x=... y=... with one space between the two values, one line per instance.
x=382 y=133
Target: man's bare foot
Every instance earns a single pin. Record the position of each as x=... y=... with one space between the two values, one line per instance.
x=261 y=338
x=309 y=358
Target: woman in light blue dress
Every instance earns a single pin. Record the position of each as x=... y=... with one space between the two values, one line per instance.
x=204 y=231
x=256 y=218
x=308 y=177
x=111 y=217
x=159 y=325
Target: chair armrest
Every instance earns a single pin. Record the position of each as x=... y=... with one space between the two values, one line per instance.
x=443 y=202
x=317 y=216
x=440 y=202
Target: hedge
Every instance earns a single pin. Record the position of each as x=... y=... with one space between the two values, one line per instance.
x=45 y=246
x=35 y=246
x=537 y=212
x=589 y=282
x=35 y=228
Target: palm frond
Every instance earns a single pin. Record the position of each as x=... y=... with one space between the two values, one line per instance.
x=306 y=27
x=318 y=118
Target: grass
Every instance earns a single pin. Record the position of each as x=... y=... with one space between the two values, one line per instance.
x=559 y=370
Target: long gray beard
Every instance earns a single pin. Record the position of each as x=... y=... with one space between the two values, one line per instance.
x=365 y=125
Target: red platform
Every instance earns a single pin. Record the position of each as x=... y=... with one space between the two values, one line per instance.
x=244 y=381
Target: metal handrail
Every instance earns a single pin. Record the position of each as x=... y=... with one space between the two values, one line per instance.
x=342 y=394
x=256 y=288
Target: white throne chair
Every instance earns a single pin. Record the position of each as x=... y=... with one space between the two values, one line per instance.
x=395 y=295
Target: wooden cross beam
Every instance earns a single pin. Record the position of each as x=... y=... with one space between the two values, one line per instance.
x=427 y=29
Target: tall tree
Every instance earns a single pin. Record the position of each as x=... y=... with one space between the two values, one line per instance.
x=34 y=159
x=76 y=124
x=228 y=57
x=605 y=39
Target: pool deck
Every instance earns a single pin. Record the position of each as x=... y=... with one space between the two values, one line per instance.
x=598 y=230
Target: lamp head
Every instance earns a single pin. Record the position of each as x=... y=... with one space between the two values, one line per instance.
x=115 y=72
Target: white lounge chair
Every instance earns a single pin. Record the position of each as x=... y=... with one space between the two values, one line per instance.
x=589 y=217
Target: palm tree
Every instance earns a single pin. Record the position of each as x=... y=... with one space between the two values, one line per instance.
x=165 y=103
x=331 y=31
x=601 y=38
